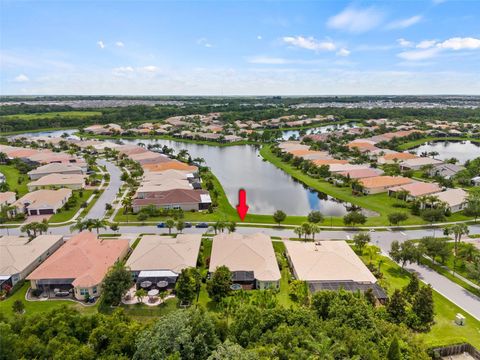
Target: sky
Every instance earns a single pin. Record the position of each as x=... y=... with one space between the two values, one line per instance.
x=239 y=47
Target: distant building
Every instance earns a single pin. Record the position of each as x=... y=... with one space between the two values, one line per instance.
x=54 y=181
x=379 y=184
x=42 y=202
x=446 y=171
x=55 y=168
x=456 y=199
x=174 y=199
x=416 y=189
x=418 y=163
x=7 y=198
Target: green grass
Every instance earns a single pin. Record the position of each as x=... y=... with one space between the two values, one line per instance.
x=40 y=306
x=12 y=175
x=415 y=143
x=65 y=215
x=444 y=331
x=53 y=115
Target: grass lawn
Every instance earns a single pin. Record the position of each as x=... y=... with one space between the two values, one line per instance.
x=415 y=143
x=53 y=115
x=13 y=175
x=40 y=306
x=444 y=331
x=65 y=215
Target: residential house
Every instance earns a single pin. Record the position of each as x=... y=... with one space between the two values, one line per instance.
x=330 y=265
x=108 y=129
x=446 y=170
x=379 y=184
x=184 y=199
x=250 y=258
x=415 y=189
x=55 y=168
x=418 y=163
x=79 y=265
x=7 y=198
x=162 y=258
x=19 y=256
x=396 y=157
x=54 y=181
x=42 y=202
x=456 y=199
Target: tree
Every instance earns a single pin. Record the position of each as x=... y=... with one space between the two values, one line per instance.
x=473 y=204
x=114 y=227
x=361 y=240
x=372 y=252
x=142 y=216
x=458 y=230
x=170 y=223
x=140 y=294
x=306 y=229
x=218 y=286
x=315 y=217
x=423 y=307
x=231 y=351
x=98 y=224
x=396 y=307
x=404 y=252
x=116 y=283
x=394 y=350
x=299 y=292
x=433 y=215
x=434 y=247
x=314 y=229
x=412 y=287
x=180 y=225
x=298 y=231
x=18 y=306
x=354 y=217
x=397 y=218
x=231 y=226
x=279 y=216
x=188 y=283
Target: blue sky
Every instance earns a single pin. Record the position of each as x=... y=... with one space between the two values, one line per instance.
x=240 y=47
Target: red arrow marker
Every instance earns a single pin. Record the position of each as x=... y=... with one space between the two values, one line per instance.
x=242 y=207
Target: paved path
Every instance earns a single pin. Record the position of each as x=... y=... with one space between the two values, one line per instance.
x=109 y=194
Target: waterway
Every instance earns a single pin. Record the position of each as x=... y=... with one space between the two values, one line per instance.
x=461 y=150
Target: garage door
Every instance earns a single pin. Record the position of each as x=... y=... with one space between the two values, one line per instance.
x=33 y=212
x=46 y=211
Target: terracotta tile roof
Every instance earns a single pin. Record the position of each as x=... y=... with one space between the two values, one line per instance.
x=418 y=188
x=59 y=180
x=384 y=181
x=329 y=161
x=400 y=156
x=361 y=173
x=44 y=198
x=175 y=196
x=84 y=258
x=171 y=165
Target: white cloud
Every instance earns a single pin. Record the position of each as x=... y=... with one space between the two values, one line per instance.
x=432 y=48
x=259 y=37
x=122 y=70
x=416 y=55
x=101 y=44
x=119 y=44
x=356 y=20
x=343 y=52
x=150 y=68
x=404 y=23
x=21 y=78
x=404 y=43
x=309 y=43
x=204 y=42
x=426 y=44
x=458 y=43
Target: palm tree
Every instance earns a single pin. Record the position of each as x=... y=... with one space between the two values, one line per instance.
x=372 y=252
x=97 y=224
x=170 y=223
x=298 y=231
x=140 y=294
x=314 y=229
x=457 y=230
x=182 y=154
x=232 y=225
x=199 y=160
x=307 y=229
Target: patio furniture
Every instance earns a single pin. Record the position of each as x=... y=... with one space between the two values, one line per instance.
x=152 y=294
x=235 y=287
x=162 y=284
x=145 y=284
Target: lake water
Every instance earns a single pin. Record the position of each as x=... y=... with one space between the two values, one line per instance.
x=53 y=134
x=317 y=130
x=268 y=188
x=461 y=150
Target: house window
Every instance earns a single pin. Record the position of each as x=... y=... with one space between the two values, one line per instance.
x=83 y=292
x=94 y=289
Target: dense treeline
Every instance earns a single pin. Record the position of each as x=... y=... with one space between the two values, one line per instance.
x=334 y=326
x=232 y=109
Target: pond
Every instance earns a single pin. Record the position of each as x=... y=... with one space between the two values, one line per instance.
x=287 y=134
x=52 y=134
x=268 y=188
x=461 y=150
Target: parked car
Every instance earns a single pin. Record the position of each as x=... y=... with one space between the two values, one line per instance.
x=161 y=225
x=202 y=225
x=188 y=224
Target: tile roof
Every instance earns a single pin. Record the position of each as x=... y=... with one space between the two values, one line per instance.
x=239 y=252
x=84 y=258
x=384 y=181
x=418 y=188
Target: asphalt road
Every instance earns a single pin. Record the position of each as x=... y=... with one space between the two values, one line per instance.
x=109 y=194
